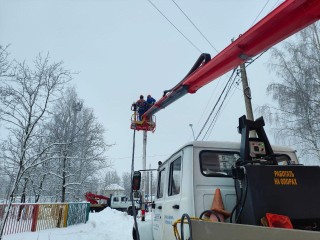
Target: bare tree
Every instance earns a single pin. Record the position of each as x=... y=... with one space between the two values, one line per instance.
x=25 y=98
x=126 y=183
x=297 y=116
x=112 y=177
x=81 y=152
x=4 y=62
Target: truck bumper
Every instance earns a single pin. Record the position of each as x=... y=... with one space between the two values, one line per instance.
x=202 y=230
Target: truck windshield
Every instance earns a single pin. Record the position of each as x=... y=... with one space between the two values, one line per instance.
x=160 y=183
x=217 y=163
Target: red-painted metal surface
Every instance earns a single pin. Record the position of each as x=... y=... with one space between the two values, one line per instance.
x=148 y=124
x=20 y=219
x=143 y=126
x=287 y=19
x=93 y=198
x=35 y=217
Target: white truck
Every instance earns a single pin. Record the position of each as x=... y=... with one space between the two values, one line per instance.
x=118 y=202
x=123 y=203
x=187 y=182
x=254 y=178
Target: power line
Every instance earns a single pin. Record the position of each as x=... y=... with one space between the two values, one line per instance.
x=210 y=99
x=216 y=104
x=209 y=130
x=174 y=26
x=207 y=42
x=195 y=26
x=215 y=118
x=254 y=22
x=275 y=5
x=260 y=13
x=222 y=106
x=253 y=60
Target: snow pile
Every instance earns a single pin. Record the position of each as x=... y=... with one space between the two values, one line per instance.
x=108 y=224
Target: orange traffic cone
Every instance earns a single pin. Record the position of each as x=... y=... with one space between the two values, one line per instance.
x=218 y=208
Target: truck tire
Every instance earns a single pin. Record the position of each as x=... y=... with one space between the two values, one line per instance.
x=130 y=211
x=134 y=234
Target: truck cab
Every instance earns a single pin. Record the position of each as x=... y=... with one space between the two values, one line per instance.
x=122 y=203
x=187 y=181
x=119 y=202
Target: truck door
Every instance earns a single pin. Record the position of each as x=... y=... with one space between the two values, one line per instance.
x=115 y=202
x=172 y=205
x=157 y=226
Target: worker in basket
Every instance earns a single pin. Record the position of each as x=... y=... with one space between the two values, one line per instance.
x=142 y=106
x=150 y=101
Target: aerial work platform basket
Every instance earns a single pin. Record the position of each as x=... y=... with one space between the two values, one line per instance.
x=146 y=124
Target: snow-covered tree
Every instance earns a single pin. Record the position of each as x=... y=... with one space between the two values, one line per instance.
x=297 y=116
x=4 y=62
x=25 y=97
x=112 y=177
x=80 y=153
x=126 y=183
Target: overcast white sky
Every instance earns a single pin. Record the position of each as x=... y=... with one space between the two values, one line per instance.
x=124 y=48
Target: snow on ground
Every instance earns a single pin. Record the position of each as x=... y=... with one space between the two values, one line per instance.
x=108 y=224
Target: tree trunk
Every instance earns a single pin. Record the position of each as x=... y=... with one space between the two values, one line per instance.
x=7 y=209
x=63 y=193
x=37 y=197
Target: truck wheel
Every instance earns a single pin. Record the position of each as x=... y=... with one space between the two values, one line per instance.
x=134 y=234
x=130 y=211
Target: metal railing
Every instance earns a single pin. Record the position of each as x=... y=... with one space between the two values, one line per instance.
x=36 y=217
x=78 y=213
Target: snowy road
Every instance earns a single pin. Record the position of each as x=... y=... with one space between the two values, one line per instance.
x=108 y=224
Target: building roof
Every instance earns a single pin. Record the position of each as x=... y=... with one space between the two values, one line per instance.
x=114 y=187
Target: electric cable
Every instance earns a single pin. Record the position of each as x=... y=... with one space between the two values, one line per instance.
x=260 y=12
x=255 y=21
x=174 y=26
x=273 y=7
x=244 y=200
x=263 y=9
x=215 y=118
x=236 y=83
x=137 y=235
x=205 y=109
x=206 y=41
x=211 y=124
x=215 y=104
x=185 y=215
x=179 y=30
x=211 y=212
x=238 y=199
x=218 y=112
x=253 y=60
x=194 y=25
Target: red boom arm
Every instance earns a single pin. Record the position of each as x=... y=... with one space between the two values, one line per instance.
x=290 y=17
x=93 y=198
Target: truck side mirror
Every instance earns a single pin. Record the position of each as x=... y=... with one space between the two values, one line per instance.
x=136 y=180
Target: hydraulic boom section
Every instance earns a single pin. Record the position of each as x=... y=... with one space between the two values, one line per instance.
x=288 y=18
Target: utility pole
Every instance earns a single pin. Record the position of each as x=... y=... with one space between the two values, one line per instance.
x=151 y=195
x=150 y=184
x=144 y=163
x=247 y=96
